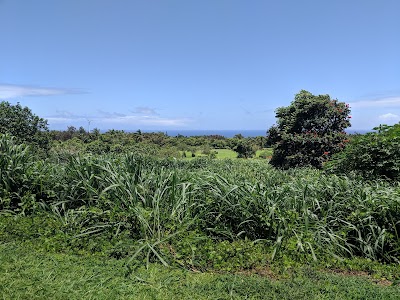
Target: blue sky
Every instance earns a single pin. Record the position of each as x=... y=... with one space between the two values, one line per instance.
x=209 y=64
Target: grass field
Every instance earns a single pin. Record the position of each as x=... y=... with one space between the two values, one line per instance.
x=227 y=153
x=266 y=151
x=221 y=154
x=32 y=274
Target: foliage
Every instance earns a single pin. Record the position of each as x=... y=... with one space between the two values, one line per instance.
x=24 y=125
x=31 y=274
x=170 y=210
x=372 y=155
x=265 y=153
x=20 y=175
x=244 y=150
x=308 y=131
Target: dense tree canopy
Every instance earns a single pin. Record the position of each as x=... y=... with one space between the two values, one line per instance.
x=23 y=124
x=308 y=131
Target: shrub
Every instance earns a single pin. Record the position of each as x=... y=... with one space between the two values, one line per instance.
x=24 y=125
x=244 y=149
x=372 y=155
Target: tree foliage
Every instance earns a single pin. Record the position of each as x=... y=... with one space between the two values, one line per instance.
x=21 y=123
x=308 y=131
x=372 y=155
x=244 y=150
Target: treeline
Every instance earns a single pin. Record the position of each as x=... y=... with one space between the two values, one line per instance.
x=156 y=143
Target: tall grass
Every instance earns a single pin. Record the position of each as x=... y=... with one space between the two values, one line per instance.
x=302 y=213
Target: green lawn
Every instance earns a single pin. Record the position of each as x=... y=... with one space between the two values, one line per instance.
x=228 y=153
x=265 y=151
x=221 y=154
x=31 y=274
x=225 y=153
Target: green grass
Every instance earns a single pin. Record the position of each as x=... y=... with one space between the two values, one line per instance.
x=228 y=153
x=221 y=154
x=32 y=274
x=225 y=153
x=266 y=151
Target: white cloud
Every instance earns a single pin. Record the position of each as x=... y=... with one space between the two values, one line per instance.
x=144 y=110
x=65 y=117
x=106 y=114
x=146 y=120
x=62 y=120
x=381 y=103
x=389 y=117
x=10 y=91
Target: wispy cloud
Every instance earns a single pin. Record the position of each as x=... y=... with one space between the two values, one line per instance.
x=107 y=114
x=389 y=117
x=144 y=110
x=380 y=102
x=11 y=91
x=147 y=120
x=107 y=118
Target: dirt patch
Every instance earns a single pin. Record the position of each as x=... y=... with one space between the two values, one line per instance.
x=264 y=272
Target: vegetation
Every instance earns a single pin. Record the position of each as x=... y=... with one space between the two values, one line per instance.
x=45 y=275
x=373 y=155
x=129 y=202
x=24 y=125
x=303 y=214
x=309 y=131
x=159 y=144
x=244 y=150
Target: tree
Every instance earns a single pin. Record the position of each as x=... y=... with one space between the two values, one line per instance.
x=308 y=131
x=21 y=123
x=244 y=149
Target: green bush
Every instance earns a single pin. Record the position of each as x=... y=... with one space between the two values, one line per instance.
x=15 y=171
x=244 y=150
x=372 y=155
x=24 y=125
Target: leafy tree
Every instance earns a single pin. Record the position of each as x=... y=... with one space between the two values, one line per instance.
x=21 y=123
x=308 y=131
x=372 y=155
x=81 y=130
x=244 y=149
x=96 y=133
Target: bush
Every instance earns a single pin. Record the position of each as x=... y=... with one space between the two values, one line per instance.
x=372 y=155
x=24 y=125
x=20 y=176
x=244 y=149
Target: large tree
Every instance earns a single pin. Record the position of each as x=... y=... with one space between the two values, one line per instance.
x=23 y=124
x=308 y=131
